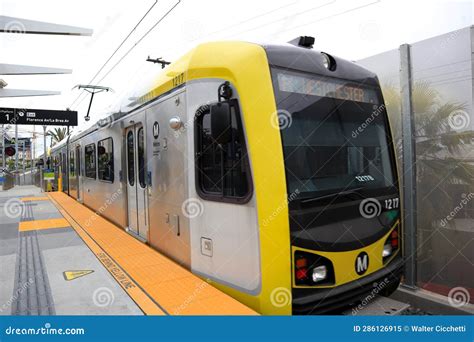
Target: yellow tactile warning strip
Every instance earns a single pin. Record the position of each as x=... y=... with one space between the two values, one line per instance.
x=140 y=297
x=42 y=224
x=176 y=290
x=31 y=199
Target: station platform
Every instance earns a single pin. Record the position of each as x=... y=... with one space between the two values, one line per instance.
x=60 y=258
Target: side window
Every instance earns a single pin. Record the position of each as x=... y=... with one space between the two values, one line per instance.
x=130 y=158
x=78 y=158
x=89 y=161
x=141 y=157
x=222 y=170
x=64 y=163
x=105 y=159
x=72 y=165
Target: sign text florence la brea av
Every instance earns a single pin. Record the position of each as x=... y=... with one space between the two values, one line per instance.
x=27 y=116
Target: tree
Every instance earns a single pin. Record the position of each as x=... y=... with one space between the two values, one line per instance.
x=444 y=181
x=57 y=134
x=441 y=149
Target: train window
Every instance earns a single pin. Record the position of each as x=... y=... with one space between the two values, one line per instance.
x=105 y=159
x=141 y=157
x=130 y=158
x=72 y=169
x=78 y=158
x=222 y=171
x=89 y=161
x=63 y=163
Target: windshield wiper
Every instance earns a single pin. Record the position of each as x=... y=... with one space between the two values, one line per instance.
x=335 y=194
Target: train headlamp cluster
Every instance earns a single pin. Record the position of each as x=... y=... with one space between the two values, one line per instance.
x=391 y=244
x=312 y=269
x=319 y=273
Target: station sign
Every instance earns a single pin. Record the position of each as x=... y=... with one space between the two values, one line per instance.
x=45 y=117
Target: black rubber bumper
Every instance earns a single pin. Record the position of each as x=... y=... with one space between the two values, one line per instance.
x=327 y=301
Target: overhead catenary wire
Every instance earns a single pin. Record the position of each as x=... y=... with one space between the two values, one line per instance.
x=136 y=43
x=116 y=50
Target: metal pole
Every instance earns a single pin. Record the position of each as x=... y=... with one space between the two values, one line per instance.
x=16 y=154
x=23 y=153
x=32 y=149
x=3 y=146
x=43 y=185
x=67 y=160
x=409 y=167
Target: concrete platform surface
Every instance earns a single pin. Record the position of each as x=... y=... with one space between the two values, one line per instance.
x=54 y=262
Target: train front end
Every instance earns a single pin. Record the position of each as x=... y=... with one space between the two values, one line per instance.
x=341 y=179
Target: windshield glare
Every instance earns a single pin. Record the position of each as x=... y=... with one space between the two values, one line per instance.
x=334 y=142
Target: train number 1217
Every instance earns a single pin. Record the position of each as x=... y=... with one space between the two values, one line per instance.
x=392 y=203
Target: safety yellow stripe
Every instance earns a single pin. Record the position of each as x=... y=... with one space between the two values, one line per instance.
x=31 y=199
x=42 y=224
x=133 y=290
x=173 y=288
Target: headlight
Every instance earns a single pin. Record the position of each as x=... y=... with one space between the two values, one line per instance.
x=319 y=273
x=391 y=244
x=312 y=269
x=387 y=250
x=328 y=61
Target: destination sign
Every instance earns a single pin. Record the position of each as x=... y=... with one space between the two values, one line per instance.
x=326 y=87
x=26 y=116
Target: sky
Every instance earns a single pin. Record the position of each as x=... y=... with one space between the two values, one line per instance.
x=351 y=29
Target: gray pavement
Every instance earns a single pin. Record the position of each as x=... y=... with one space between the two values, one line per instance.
x=32 y=280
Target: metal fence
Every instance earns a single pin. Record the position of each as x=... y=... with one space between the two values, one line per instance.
x=428 y=88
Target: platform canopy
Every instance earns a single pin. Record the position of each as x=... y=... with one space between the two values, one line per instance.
x=26 y=92
x=17 y=69
x=19 y=25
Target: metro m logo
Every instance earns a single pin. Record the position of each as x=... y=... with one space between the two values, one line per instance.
x=362 y=263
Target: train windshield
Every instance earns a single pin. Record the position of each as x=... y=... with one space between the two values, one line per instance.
x=335 y=135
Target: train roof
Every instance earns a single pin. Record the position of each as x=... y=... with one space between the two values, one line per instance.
x=214 y=59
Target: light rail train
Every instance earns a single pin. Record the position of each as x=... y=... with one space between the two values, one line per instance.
x=267 y=169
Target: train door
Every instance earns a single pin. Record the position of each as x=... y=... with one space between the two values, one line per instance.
x=136 y=181
x=78 y=172
x=72 y=174
x=64 y=171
